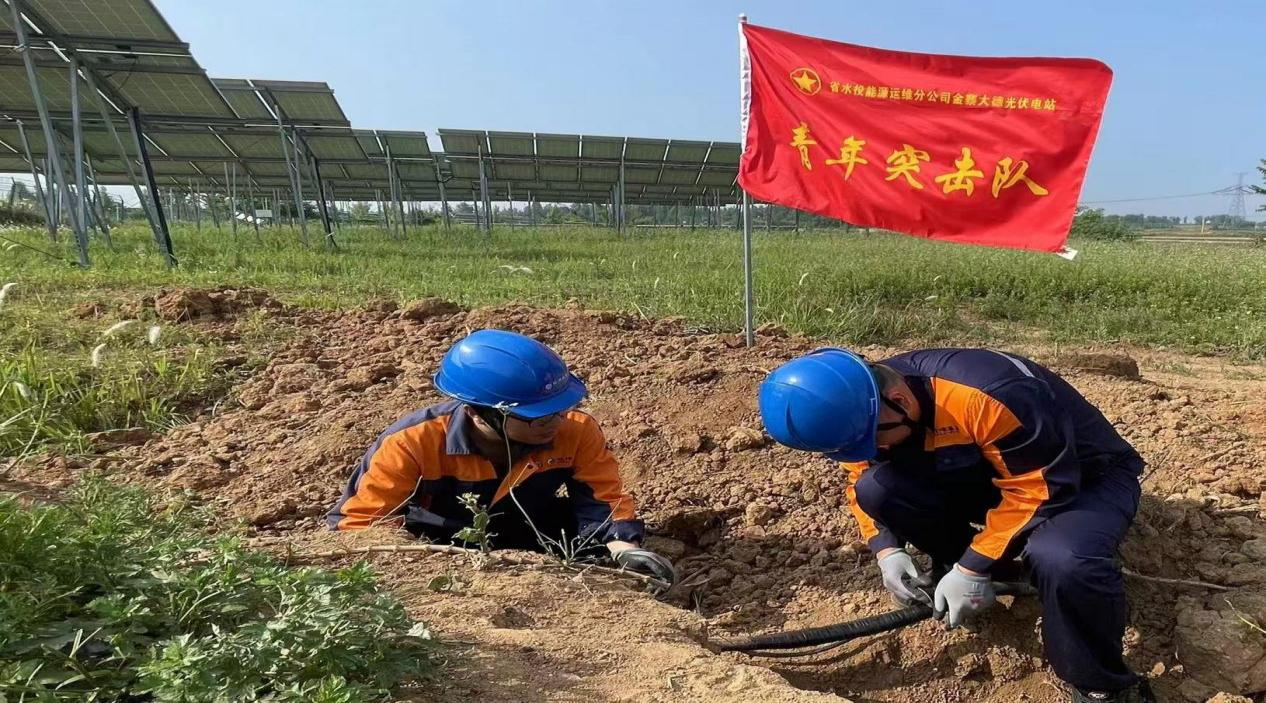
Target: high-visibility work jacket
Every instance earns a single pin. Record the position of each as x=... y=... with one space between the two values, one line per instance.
x=417 y=470
x=1009 y=422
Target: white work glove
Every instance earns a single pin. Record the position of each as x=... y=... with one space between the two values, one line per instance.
x=962 y=596
x=901 y=575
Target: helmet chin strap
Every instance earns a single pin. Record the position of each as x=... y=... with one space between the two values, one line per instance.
x=495 y=418
x=906 y=420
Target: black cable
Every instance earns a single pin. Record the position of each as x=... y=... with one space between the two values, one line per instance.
x=37 y=249
x=846 y=631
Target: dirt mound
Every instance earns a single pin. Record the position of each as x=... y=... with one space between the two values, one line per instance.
x=184 y=304
x=1119 y=365
x=760 y=531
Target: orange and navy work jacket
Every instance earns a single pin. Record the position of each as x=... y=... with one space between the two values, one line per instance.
x=1005 y=416
x=414 y=474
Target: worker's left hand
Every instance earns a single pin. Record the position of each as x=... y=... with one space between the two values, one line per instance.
x=647 y=562
x=962 y=595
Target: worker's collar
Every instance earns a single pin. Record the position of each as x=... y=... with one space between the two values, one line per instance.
x=457 y=438
x=921 y=387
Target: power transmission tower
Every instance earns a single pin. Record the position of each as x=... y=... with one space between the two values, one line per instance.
x=1237 y=210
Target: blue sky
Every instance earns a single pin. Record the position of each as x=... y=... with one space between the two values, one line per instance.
x=1187 y=109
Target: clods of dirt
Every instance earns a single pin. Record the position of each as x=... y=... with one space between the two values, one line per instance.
x=762 y=533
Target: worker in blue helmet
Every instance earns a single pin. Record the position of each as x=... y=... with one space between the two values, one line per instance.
x=511 y=436
x=937 y=441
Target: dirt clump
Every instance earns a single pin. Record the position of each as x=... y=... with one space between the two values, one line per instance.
x=427 y=308
x=1117 y=365
x=184 y=304
x=1221 y=642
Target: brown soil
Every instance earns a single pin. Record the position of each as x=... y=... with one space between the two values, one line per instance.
x=762 y=530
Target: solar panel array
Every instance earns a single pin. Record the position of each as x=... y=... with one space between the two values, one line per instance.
x=196 y=125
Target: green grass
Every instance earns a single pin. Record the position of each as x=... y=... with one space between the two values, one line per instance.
x=113 y=595
x=52 y=392
x=846 y=288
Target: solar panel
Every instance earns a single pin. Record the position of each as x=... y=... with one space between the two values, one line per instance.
x=724 y=153
x=558 y=146
x=335 y=147
x=679 y=176
x=191 y=146
x=602 y=147
x=639 y=174
x=406 y=144
x=305 y=101
x=243 y=98
x=15 y=91
x=172 y=94
x=462 y=141
x=599 y=174
x=717 y=178
x=120 y=19
x=514 y=171
x=264 y=146
x=682 y=151
x=558 y=172
x=645 y=149
x=369 y=143
x=511 y=144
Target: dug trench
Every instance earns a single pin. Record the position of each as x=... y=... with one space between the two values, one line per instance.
x=760 y=533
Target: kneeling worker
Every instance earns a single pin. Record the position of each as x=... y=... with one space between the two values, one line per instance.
x=512 y=437
x=938 y=440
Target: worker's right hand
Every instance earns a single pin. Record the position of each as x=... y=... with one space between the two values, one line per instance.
x=901 y=575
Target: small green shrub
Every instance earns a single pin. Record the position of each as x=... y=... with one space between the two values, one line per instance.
x=111 y=597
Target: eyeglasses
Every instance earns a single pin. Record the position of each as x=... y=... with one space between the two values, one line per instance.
x=535 y=423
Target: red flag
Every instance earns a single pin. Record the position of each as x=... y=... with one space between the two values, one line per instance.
x=981 y=150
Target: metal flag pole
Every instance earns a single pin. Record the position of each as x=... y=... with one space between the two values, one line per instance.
x=745 y=88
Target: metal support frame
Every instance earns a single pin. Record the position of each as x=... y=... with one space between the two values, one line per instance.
x=230 y=184
x=315 y=165
x=147 y=168
x=46 y=122
x=397 y=204
x=486 y=223
x=439 y=180
x=510 y=201
x=196 y=192
x=621 y=217
x=94 y=201
x=80 y=202
x=250 y=199
x=39 y=190
x=292 y=170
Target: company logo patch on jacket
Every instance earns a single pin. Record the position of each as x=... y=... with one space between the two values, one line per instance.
x=560 y=461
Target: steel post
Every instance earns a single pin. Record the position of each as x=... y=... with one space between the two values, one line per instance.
x=231 y=185
x=315 y=164
x=94 y=200
x=292 y=170
x=483 y=194
x=147 y=168
x=77 y=141
x=39 y=190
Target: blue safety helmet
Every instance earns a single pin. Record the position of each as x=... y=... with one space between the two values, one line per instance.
x=825 y=401
x=506 y=370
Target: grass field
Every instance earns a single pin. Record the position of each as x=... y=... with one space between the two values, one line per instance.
x=847 y=288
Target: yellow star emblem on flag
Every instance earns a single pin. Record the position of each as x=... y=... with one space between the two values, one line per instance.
x=806 y=79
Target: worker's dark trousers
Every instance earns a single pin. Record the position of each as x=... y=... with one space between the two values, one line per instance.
x=1070 y=557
